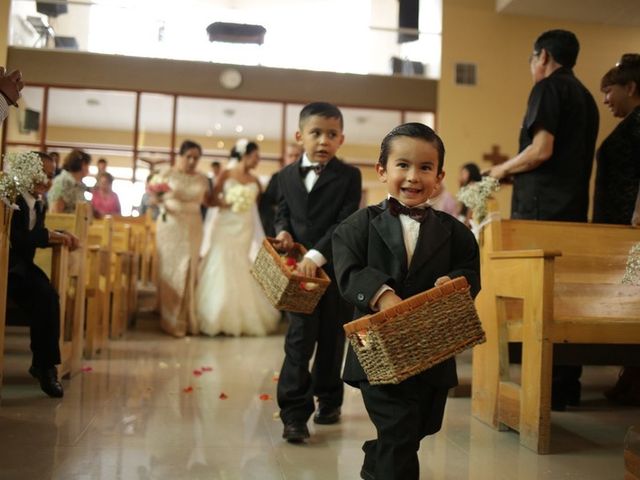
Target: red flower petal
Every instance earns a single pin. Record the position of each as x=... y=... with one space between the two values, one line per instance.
x=86 y=369
x=187 y=389
x=223 y=396
x=206 y=369
x=265 y=396
x=197 y=373
x=291 y=261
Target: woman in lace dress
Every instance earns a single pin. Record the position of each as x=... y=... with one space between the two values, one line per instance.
x=228 y=299
x=179 y=233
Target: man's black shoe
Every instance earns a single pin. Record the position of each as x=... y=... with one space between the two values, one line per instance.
x=295 y=432
x=48 y=378
x=327 y=415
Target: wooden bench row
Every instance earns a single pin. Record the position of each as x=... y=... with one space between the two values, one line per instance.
x=97 y=283
x=552 y=287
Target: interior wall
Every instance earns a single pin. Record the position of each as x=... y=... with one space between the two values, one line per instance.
x=472 y=119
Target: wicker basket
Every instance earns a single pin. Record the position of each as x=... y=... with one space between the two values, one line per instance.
x=284 y=288
x=414 y=335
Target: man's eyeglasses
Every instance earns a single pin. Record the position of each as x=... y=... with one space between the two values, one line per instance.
x=533 y=55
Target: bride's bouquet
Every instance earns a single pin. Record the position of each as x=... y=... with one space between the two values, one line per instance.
x=240 y=198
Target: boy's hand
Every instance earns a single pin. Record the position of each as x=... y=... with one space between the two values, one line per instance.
x=307 y=267
x=284 y=241
x=388 y=299
x=74 y=242
x=442 y=280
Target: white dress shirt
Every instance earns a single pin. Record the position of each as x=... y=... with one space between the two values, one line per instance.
x=309 y=181
x=31 y=203
x=410 y=233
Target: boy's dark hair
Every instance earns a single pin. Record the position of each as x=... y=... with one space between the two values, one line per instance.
x=563 y=46
x=413 y=130
x=74 y=161
x=102 y=160
x=626 y=71
x=320 y=109
x=188 y=145
x=44 y=156
x=215 y=163
x=474 y=171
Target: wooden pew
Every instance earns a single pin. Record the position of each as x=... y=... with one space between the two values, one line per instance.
x=546 y=284
x=141 y=246
x=99 y=288
x=67 y=271
x=5 y=229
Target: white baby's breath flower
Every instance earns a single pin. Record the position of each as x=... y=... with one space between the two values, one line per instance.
x=26 y=169
x=23 y=171
x=632 y=272
x=475 y=195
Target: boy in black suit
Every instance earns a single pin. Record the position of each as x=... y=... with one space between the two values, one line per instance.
x=28 y=286
x=388 y=252
x=316 y=193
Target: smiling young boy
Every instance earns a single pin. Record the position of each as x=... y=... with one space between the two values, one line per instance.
x=384 y=254
x=316 y=193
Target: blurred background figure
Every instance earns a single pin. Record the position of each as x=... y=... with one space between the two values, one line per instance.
x=269 y=198
x=105 y=201
x=617 y=196
x=67 y=188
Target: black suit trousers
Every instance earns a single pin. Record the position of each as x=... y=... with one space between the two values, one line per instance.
x=36 y=297
x=322 y=331
x=403 y=415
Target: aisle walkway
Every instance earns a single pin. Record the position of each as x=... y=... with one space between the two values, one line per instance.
x=151 y=409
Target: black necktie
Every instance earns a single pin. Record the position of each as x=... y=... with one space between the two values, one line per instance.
x=315 y=167
x=416 y=213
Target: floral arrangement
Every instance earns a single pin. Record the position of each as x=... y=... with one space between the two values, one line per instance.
x=632 y=272
x=292 y=262
x=240 y=197
x=23 y=171
x=475 y=195
x=158 y=185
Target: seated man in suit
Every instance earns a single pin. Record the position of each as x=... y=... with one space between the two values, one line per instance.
x=28 y=286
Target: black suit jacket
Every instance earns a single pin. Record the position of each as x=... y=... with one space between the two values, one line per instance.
x=24 y=241
x=369 y=252
x=311 y=217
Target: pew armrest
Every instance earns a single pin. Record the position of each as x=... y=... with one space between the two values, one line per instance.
x=522 y=254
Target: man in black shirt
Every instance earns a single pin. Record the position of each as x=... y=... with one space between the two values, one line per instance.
x=557 y=138
x=552 y=171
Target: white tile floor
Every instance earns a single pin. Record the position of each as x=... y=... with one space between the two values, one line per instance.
x=130 y=418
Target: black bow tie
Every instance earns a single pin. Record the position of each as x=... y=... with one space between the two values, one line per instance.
x=318 y=167
x=416 y=213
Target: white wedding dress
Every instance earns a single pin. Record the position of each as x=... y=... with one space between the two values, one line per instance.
x=228 y=298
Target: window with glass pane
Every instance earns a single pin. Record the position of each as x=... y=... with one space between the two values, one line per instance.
x=24 y=124
x=426 y=118
x=217 y=124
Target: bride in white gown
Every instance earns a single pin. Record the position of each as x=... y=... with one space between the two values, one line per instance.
x=228 y=299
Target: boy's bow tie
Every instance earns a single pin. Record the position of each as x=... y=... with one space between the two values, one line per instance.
x=416 y=213
x=316 y=167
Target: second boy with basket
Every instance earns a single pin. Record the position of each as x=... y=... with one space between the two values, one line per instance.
x=384 y=254
x=317 y=193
